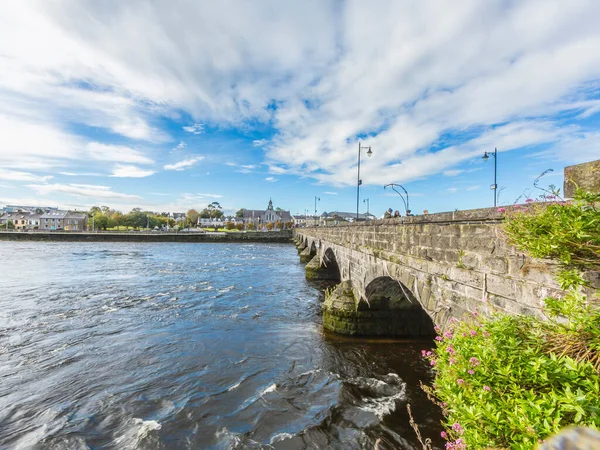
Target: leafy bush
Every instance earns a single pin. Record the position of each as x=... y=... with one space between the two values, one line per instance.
x=566 y=231
x=511 y=381
x=500 y=387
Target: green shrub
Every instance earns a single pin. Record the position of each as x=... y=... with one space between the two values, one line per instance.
x=500 y=387
x=511 y=381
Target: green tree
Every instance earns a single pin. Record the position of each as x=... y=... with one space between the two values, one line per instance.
x=240 y=212
x=192 y=216
x=230 y=225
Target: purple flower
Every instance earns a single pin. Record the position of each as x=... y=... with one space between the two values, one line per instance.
x=449 y=446
x=439 y=338
x=457 y=427
x=450 y=350
x=444 y=434
x=471 y=372
x=429 y=353
x=459 y=444
x=487 y=388
x=460 y=381
x=423 y=353
x=448 y=335
x=474 y=361
x=473 y=333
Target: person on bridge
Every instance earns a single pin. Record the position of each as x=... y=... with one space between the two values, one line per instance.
x=388 y=214
x=396 y=213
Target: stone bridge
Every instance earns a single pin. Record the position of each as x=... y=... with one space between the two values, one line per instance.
x=400 y=277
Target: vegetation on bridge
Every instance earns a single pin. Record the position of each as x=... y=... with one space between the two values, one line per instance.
x=510 y=381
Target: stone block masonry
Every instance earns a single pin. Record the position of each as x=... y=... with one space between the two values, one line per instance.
x=444 y=265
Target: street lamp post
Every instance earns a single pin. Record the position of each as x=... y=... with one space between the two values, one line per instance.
x=406 y=203
x=494 y=186
x=369 y=153
x=317 y=199
x=366 y=200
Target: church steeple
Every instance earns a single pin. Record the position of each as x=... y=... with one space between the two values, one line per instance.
x=270 y=207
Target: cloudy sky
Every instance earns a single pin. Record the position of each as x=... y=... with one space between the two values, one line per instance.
x=169 y=105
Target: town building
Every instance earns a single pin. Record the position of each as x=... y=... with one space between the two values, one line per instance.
x=339 y=216
x=259 y=218
x=59 y=220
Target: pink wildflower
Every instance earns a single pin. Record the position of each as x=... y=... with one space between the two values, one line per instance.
x=474 y=361
x=457 y=427
x=452 y=320
x=444 y=404
x=448 y=335
x=529 y=200
x=459 y=444
x=485 y=333
x=473 y=333
x=471 y=372
x=437 y=329
x=429 y=353
x=465 y=335
x=450 y=350
x=444 y=434
x=423 y=353
x=501 y=209
x=475 y=313
x=449 y=446
x=487 y=388
x=439 y=338
x=432 y=362
x=460 y=381
x=452 y=361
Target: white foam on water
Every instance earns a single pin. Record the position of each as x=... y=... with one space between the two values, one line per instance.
x=227 y=439
x=235 y=386
x=137 y=431
x=266 y=390
x=280 y=437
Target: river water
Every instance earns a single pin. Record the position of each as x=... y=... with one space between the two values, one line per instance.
x=160 y=346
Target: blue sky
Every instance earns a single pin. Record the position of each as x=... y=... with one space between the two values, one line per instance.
x=172 y=105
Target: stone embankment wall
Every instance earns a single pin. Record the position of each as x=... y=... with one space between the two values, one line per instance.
x=271 y=236
x=448 y=264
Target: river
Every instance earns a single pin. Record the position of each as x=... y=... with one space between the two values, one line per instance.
x=219 y=346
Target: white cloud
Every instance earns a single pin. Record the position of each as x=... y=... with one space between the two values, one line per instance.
x=453 y=172
x=271 y=179
x=116 y=153
x=330 y=193
x=260 y=142
x=197 y=128
x=83 y=190
x=13 y=175
x=452 y=190
x=404 y=75
x=127 y=171
x=185 y=164
x=179 y=146
x=473 y=188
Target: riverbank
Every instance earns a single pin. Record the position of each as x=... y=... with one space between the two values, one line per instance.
x=251 y=236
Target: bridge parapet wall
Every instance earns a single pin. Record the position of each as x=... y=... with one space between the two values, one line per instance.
x=452 y=262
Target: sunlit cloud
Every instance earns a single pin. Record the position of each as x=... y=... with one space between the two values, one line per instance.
x=185 y=164
x=126 y=171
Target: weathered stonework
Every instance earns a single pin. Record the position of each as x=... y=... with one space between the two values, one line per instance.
x=448 y=263
x=585 y=176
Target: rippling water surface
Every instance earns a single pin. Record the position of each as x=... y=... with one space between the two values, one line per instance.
x=152 y=346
